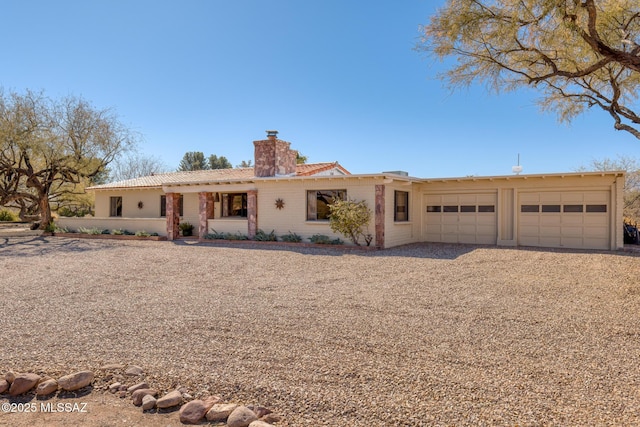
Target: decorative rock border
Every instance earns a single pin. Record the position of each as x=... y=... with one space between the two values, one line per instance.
x=192 y=411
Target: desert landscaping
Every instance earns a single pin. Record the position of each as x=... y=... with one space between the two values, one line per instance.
x=419 y=335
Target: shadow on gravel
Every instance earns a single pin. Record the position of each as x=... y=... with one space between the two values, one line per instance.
x=445 y=251
x=41 y=245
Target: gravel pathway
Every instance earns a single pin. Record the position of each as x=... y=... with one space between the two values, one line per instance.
x=418 y=335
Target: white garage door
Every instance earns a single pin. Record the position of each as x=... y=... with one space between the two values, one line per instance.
x=572 y=219
x=460 y=218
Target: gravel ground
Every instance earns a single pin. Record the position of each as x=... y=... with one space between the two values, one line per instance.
x=418 y=335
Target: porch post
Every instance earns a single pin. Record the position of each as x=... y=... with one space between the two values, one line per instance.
x=252 y=213
x=379 y=216
x=173 y=216
x=205 y=200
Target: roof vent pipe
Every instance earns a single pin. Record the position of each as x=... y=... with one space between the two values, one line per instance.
x=272 y=134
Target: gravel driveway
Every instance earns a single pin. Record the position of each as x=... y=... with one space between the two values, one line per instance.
x=418 y=335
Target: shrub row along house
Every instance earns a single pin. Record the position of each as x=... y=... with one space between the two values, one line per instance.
x=570 y=210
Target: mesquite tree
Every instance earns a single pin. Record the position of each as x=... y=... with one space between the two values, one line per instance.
x=577 y=53
x=47 y=147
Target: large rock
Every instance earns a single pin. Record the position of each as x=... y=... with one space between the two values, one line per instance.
x=260 y=411
x=4 y=386
x=170 y=399
x=139 y=394
x=148 y=402
x=22 y=383
x=193 y=412
x=134 y=370
x=241 y=417
x=10 y=376
x=47 y=387
x=75 y=381
x=137 y=387
x=114 y=387
x=220 y=411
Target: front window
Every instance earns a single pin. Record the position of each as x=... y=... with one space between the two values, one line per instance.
x=115 y=206
x=401 y=206
x=163 y=205
x=234 y=205
x=318 y=202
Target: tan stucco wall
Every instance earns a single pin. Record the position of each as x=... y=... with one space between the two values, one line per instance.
x=150 y=225
x=294 y=194
x=508 y=191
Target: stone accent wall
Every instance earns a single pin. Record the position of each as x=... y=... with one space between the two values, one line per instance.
x=273 y=157
x=205 y=201
x=173 y=216
x=252 y=213
x=379 y=216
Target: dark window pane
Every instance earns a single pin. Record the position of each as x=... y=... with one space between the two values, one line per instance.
x=467 y=208
x=434 y=208
x=318 y=203
x=450 y=208
x=530 y=208
x=550 y=208
x=115 y=206
x=401 y=201
x=235 y=204
x=596 y=208
x=163 y=205
x=486 y=208
x=572 y=208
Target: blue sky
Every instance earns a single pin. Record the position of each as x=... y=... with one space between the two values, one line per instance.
x=338 y=79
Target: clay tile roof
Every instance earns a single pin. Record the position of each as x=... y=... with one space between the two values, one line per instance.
x=208 y=176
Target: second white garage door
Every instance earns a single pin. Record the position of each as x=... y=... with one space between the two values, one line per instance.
x=568 y=219
x=460 y=218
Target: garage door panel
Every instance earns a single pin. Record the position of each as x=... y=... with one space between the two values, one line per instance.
x=587 y=228
x=460 y=227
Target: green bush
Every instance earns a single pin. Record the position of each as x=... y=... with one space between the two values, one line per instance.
x=350 y=218
x=214 y=235
x=186 y=228
x=291 y=237
x=321 y=239
x=117 y=232
x=261 y=236
x=65 y=211
x=6 y=215
x=237 y=236
x=93 y=231
x=142 y=233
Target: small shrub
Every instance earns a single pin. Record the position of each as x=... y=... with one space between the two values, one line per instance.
x=214 y=235
x=291 y=237
x=80 y=212
x=51 y=227
x=128 y=233
x=117 y=232
x=155 y=234
x=186 y=228
x=105 y=231
x=350 y=218
x=6 y=215
x=321 y=239
x=142 y=233
x=237 y=236
x=261 y=236
x=93 y=231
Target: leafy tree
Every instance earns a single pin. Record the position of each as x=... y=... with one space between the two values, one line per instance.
x=632 y=182
x=245 y=164
x=578 y=54
x=135 y=166
x=300 y=159
x=49 y=147
x=221 y=162
x=193 y=161
x=350 y=218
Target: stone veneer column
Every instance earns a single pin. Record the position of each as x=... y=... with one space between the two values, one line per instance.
x=173 y=216
x=252 y=213
x=379 y=216
x=205 y=202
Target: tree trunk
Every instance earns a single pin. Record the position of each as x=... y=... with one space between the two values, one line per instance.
x=45 y=211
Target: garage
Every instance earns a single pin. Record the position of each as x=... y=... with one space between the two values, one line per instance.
x=567 y=219
x=460 y=218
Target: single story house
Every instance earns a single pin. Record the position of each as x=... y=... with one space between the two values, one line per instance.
x=564 y=210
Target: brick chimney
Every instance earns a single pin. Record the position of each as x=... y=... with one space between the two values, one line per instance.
x=273 y=157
